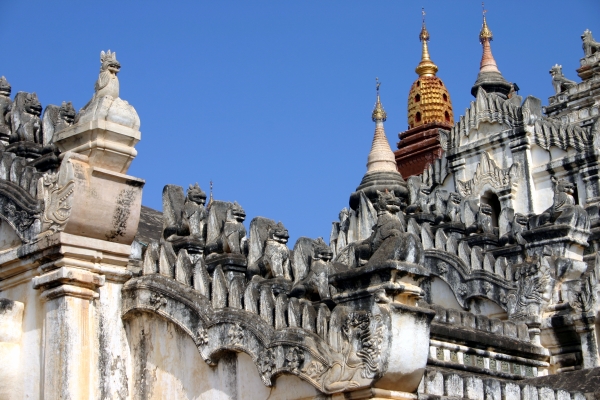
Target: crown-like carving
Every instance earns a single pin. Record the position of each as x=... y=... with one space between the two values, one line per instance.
x=195 y=191
x=5 y=87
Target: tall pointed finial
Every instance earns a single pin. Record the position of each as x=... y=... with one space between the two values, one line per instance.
x=486 y=33
x=489 y=77
x=210 y=200
x=426 y=66
x=381 y=157
x=379 y=114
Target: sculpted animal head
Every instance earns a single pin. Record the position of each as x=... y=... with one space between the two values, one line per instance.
x=556 y=71
x=563 y=186
x=387 y=201
x=236 y=212
x=586 y=36
x=521 y=219
x=31 y=104
x=196 y=194
x=279 y=233
x=109 y=62
x=485 y=209
x=5 y=87
x=321 y=251
x=67 y=113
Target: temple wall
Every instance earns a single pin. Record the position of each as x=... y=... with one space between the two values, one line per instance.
x=167 y=364
x=21 y=343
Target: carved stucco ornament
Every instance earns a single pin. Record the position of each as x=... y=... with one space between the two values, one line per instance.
x=57 y=203
x=351 y=355
x=488 y=172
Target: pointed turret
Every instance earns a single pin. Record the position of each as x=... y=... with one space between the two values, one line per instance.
x=426 y=67
x=489 y=78
x=381 y=163
x=429 y=110
x=381 y=157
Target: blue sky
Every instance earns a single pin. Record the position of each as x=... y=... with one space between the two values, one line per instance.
x=272 y=99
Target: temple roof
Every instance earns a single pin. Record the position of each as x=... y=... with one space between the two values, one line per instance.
x=428 y=99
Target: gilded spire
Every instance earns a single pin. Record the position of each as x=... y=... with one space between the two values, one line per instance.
x=488 y=64
x=381 y=157
x=426 y=67
x=379 y=113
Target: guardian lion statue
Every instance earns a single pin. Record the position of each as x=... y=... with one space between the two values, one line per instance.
x=559 y=81
x=590 y=46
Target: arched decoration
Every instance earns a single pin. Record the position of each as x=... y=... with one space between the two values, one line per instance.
x=489 y=177
x=20 y=210
x=417 y=98
x=418 y=117
x=292 y=350
x=467 y=284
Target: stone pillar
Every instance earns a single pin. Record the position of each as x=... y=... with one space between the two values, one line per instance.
x=521 y=153
x=591 y=179
x=68 y=365
x=457 y=167
x=584 y=325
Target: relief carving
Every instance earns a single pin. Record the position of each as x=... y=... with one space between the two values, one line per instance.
x=488 y=172
x=57 y=202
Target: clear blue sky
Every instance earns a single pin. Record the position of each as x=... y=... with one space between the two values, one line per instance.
x=272 y=100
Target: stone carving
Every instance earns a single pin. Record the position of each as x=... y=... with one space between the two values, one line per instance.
x=361 y=350
x=511 y=226
x=339 y=232
x=550 y=133
x=534 y=289
x=294 y=358
x=177 y=210
x=559 y=82
x=488 y=172
x=5 y=108
x=590 y=46
x=195 y=212
x=106 y=104
x=453 y=207
x=234 y=232
x=487 y=107
x=201 y=336
x=477 y=218
x=235 y=335
x=420 y=198
x=269 y=255
x=57 y=203
x=388 y=241
x=315 y=286
x=26 y=123
x=266 y=363
x=585 y=297
x=563 y=210
x=56 y=119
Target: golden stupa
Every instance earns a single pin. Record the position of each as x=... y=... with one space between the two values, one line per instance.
x=428 y=99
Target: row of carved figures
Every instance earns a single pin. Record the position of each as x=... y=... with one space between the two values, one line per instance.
x=227 y=289
x=20 y=118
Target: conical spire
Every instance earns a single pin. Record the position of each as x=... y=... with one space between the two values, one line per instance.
x=489 y=78
x=379 y=113
x=381 y=157
x=426 y=67
x=488 y=64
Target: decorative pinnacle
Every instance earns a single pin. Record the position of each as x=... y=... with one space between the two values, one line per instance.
x=379 y=113
x=486 y=33
x=426 y=66
x=210 y=200
x=424 y=35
